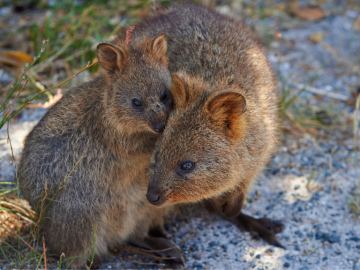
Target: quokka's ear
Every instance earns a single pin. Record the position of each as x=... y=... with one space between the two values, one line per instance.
x=158 y=48
x=111 y=57
x=178 y=91
x=226 y=110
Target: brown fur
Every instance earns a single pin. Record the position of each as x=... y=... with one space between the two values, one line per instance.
x=225 y=116
x=97 y=125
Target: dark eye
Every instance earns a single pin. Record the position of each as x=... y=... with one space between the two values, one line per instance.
x=136 y=103
x=164 y=96
x=187 y=166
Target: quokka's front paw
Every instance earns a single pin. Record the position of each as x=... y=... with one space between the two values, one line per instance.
x=229 y=204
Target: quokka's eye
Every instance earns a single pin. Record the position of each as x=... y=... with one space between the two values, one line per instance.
x=187 y=166
x=164 y=96
x=136 y=103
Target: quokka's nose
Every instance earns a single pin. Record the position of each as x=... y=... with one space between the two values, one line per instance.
x=153 y=198
x=159 y=127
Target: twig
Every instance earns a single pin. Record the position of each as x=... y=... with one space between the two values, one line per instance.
x=321 y=92
x=44 y=252
x=355 y=130
x=93 y=248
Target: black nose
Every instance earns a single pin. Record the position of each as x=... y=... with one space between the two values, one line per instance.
x=153 y=198
x=159 y=127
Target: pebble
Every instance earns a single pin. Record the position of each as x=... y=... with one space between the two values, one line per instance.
x=331 y=238
x=286 y=265
x=258 y=256
x=224 y=247
x=213 y=243
x=196 y=256
x=197 y=265
x=354 y=238
x=235 y=241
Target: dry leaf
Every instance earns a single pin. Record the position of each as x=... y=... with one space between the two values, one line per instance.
x=48 y=104
x=316 y=37
x=310 y=13
x=15 y=58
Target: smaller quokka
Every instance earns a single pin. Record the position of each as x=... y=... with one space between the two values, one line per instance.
x=89 y=154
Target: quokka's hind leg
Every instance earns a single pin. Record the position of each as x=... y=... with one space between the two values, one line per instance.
x=158 y=231
x=163 y=247
x=262 y=228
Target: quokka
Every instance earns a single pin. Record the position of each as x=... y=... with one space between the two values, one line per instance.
x=223 y=127
x=91 y=150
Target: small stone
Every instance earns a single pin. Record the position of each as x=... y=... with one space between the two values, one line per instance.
x=197 y=265
x=285 y=237
x=109 y=267
x=357 y=246
x=216 y=234
x=305 y=267
x=316 y=37
x=289 y=257
x=315 y=197
x=213 y=244
x=224 y=232
x=224 y=247
x=196 y=256
x=299 y=233
x=235 y=241
x=297 y=247
x=286 y=265
x=252 y=253
x=258 y=256
x=354 y=238
x=194 y=248
x=324 y=258
x=333 y=238
x=297 y=187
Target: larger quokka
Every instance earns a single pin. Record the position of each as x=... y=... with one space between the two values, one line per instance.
x=223 y=127
x=91 y=150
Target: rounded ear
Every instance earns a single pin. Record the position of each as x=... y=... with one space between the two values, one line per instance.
x=226 y=110
x=178 y=91
x=158 y=48
x=111 y=57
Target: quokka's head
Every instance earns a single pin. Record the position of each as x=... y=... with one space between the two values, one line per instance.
x=196 y=157
x=137 y=94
